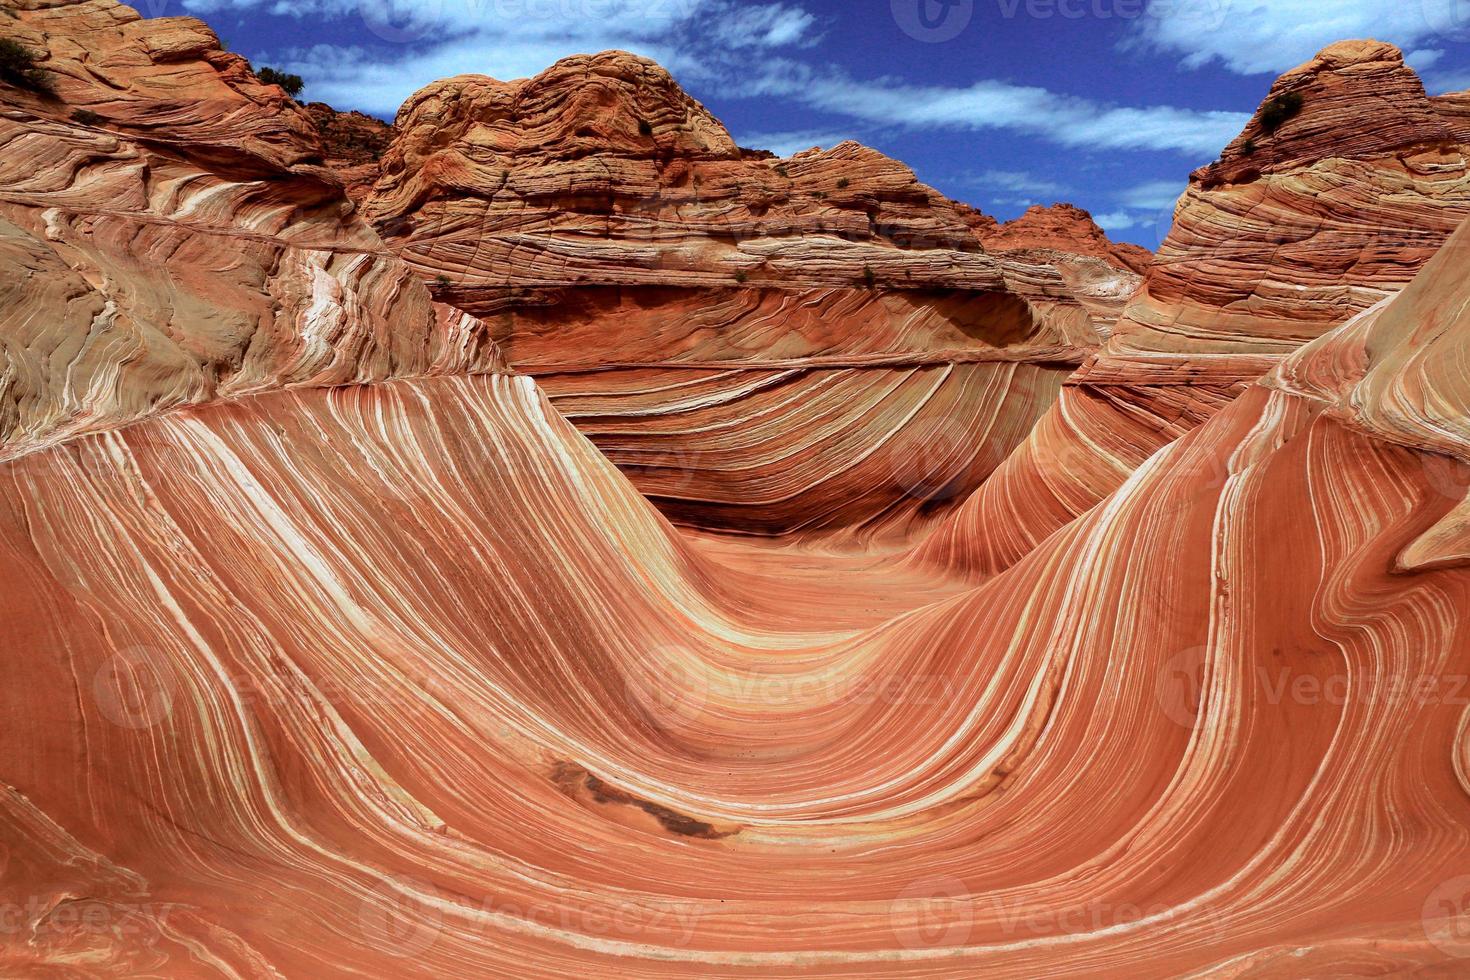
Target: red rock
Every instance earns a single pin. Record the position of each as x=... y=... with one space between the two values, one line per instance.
x=1333 y=212
x=1065 y=228
x=851 y=309
x=333 y=650
x=153 y=267
x=353 y=145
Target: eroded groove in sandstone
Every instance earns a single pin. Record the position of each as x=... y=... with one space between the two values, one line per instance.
x=333 y=649
x=1289 y=234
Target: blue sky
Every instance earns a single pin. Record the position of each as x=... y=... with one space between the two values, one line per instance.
x=1002 y=103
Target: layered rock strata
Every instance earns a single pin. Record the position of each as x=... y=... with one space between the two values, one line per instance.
x=352 y=672
x=353 y=145
x=173 y=238
x=1347 y=180
x=670 y=289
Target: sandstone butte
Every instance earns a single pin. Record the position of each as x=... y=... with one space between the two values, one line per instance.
x=333 y=648
x=763 y=345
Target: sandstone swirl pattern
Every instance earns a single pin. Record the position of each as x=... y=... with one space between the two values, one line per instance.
x=1292 y=232
x=182 y=244
x=387 y=671
x=763 y=345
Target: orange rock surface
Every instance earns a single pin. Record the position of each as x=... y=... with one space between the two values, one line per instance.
x=1292 y=232
x=763 y=345
x=333 y=649
x=353 y=145
x=1065 y=228
x=150 y=266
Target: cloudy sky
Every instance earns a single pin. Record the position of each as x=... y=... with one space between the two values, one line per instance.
x=1003 y=103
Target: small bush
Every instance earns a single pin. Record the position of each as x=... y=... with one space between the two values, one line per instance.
x=781 y=169
x=18 y=67
x=1248 y=147
x=87 y=117
x=1278 y=110
x=843 y=184
x=645 y=128
x=442 y=281
x=869 y=279
x=740 y=276
x=290 y=84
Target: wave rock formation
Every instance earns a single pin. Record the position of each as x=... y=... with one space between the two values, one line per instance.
x=335 y=649
x=763 y=345
x=1302 y=224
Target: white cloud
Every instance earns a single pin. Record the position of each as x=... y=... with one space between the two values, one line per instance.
x=433 y=39
x=784 y=144
x=411 y=21
x=1118 y=221
x=1272 y=36
x=1144 y=207
x=772 y=25
x=1454 y=81
x=352 y=78
x=1012 y=187
x=1060 y=119
x=710 y=44
x=1422 y=59
x=1154 y=195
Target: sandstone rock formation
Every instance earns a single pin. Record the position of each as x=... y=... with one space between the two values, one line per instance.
x=1295 y=230
x=1068 y=229
x=821 y=341
x=353 y=145
x=333 y=650
x=153 y=265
